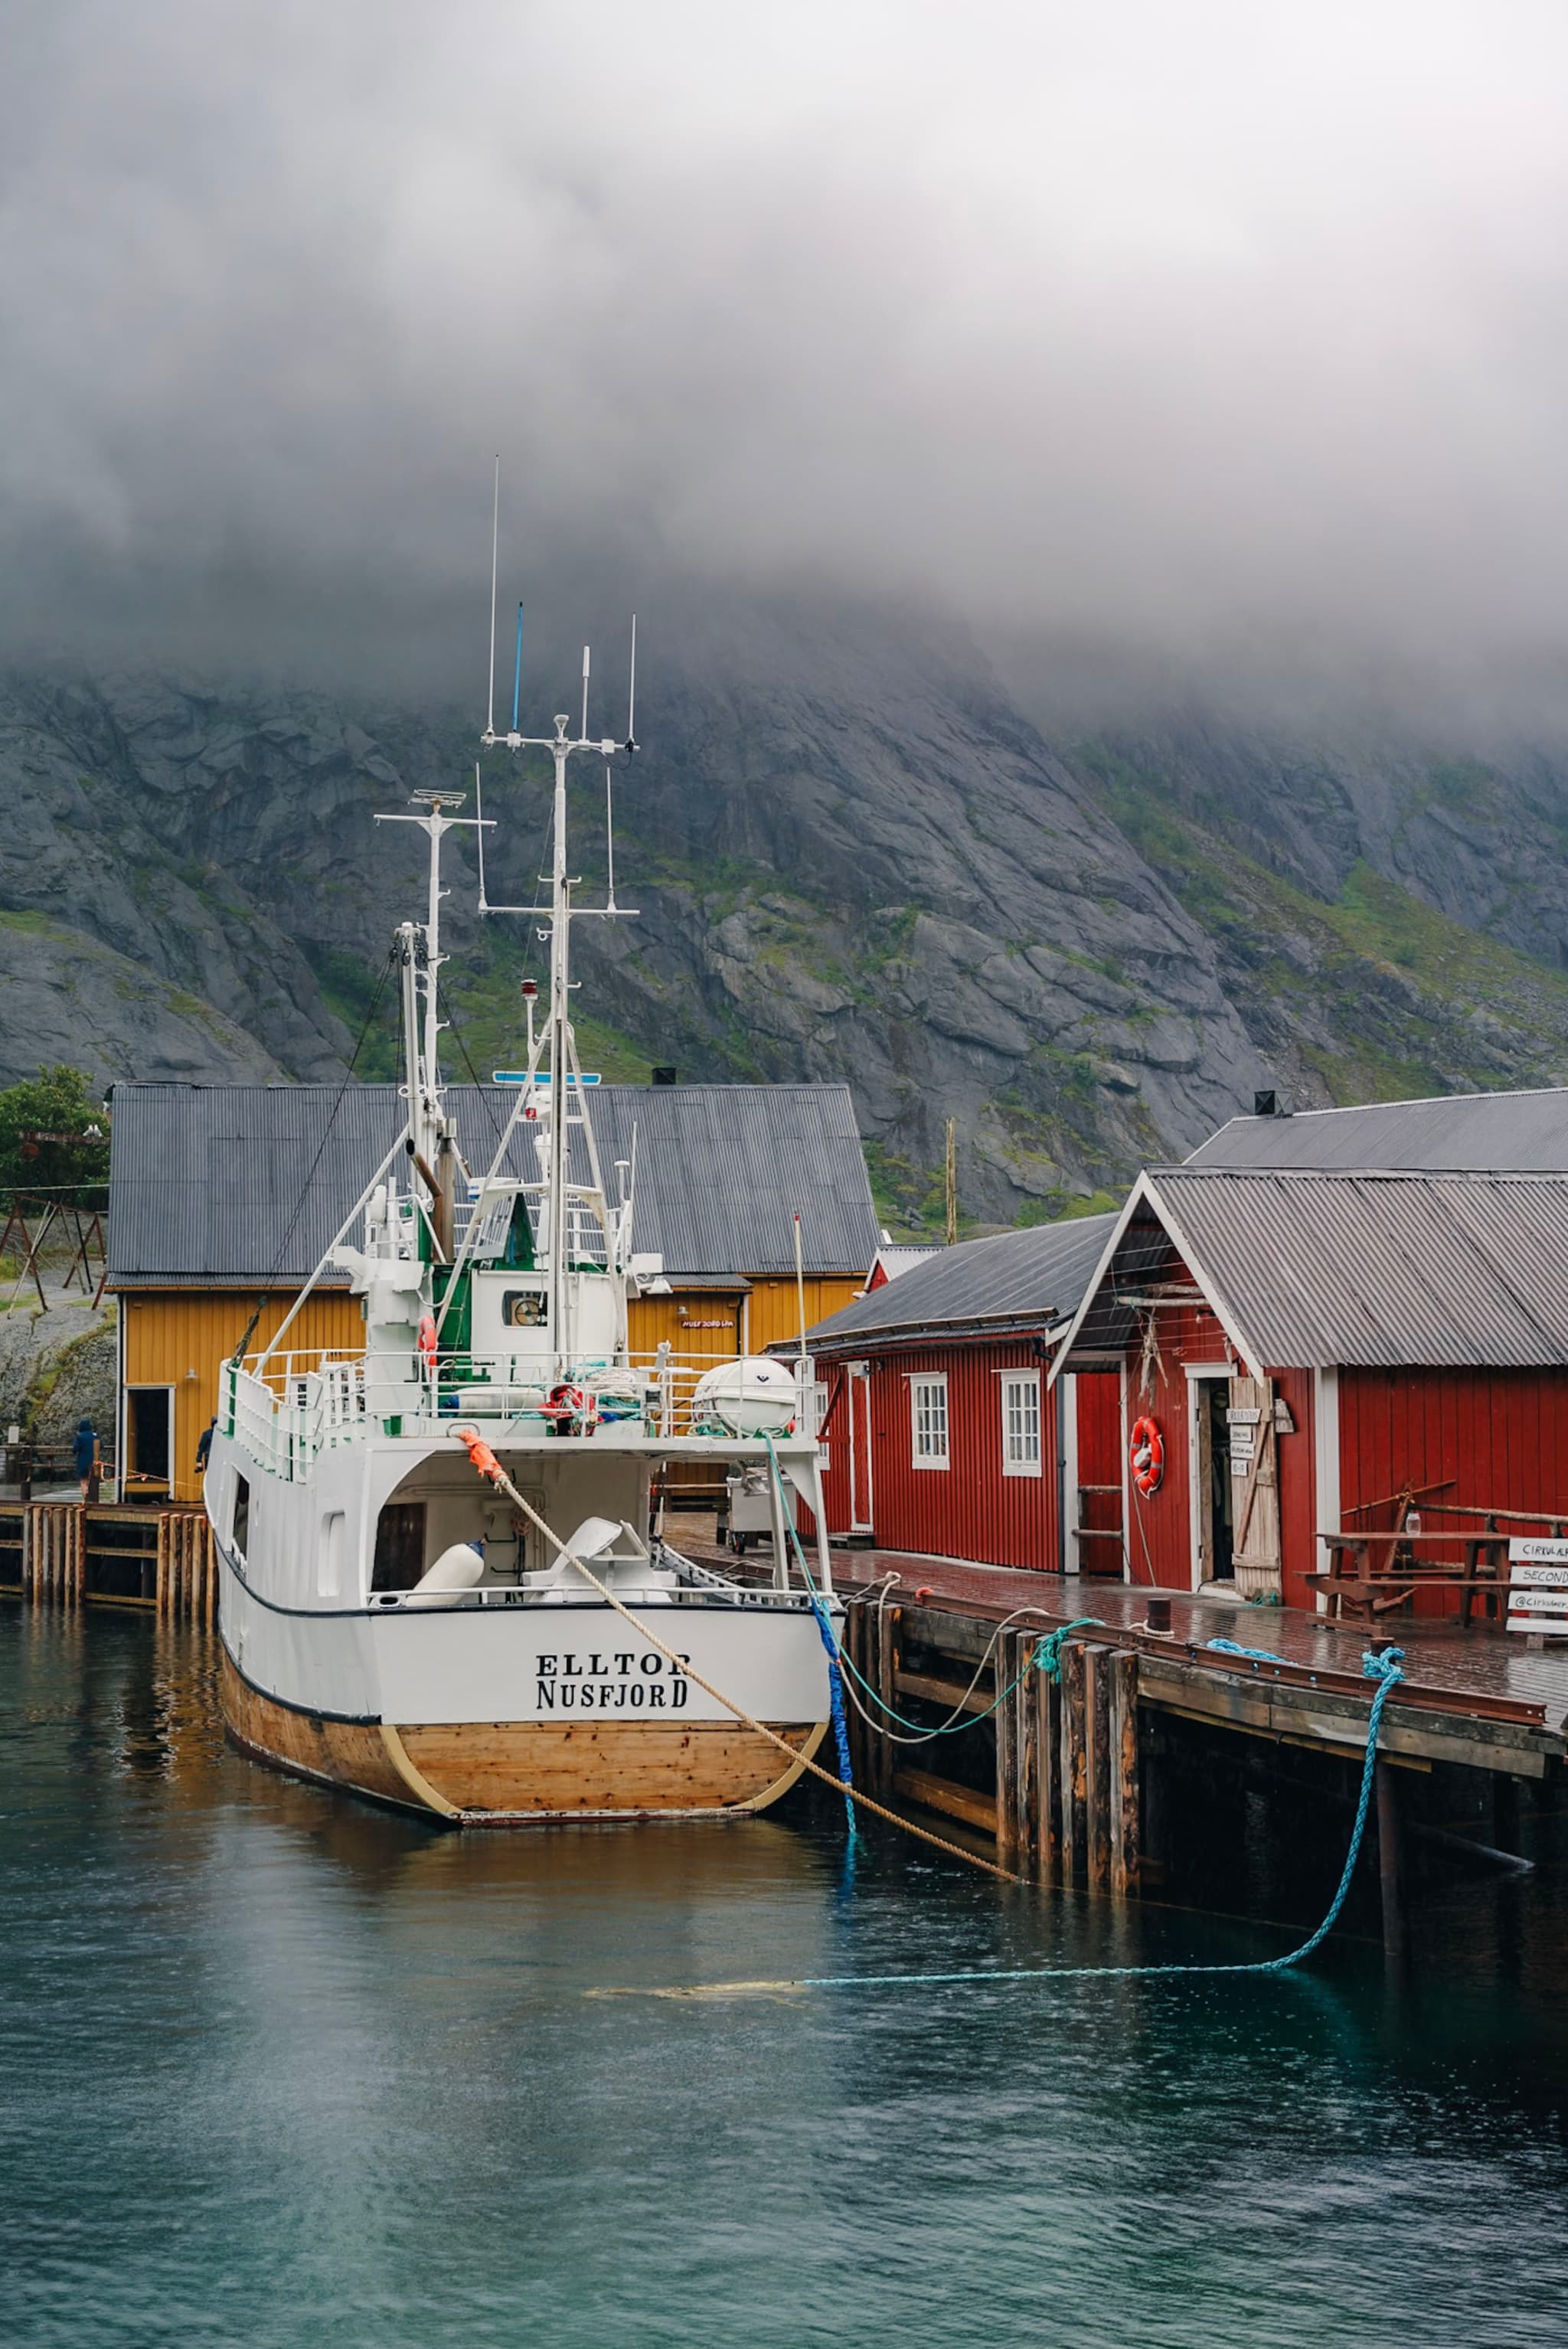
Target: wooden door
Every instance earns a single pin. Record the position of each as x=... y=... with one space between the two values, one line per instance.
x=1254 y=1481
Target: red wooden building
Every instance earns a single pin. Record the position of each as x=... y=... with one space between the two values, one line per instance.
x=1317 y=1347
x=941 y=1435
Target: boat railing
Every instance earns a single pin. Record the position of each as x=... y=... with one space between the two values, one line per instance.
x=287 y=1408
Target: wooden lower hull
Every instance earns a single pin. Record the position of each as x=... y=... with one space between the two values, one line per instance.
x=517 y=1772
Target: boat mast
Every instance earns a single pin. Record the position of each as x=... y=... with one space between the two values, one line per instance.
x=557 y=1041
x=560 y=1061
x=429 y=1129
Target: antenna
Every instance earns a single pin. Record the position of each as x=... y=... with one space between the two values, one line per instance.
x=631 y=690
x=517 y=672
x=584 y=693
x=479 y=811
x=495 y=558
x=611 y=906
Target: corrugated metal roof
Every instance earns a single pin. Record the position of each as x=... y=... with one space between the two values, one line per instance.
x=1033 y=1276
x=1315 y=1270
x=205 y=1180
x=1519 y=1133
x=896 y=1261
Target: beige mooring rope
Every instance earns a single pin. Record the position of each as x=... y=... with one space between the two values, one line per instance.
x=488 y=1465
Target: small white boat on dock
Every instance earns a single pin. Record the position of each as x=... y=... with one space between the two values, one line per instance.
x=393 y=1624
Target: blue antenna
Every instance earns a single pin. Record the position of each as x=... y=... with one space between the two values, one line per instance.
x=517 y=673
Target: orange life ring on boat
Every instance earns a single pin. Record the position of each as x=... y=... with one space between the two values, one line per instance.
x=1147 y=1455
x=428 y=1341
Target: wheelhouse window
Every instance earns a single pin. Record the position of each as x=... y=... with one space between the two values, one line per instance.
x=1021 y=1423
x=928 y=1421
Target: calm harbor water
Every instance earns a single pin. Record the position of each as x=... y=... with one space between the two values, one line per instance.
x=279 y=2069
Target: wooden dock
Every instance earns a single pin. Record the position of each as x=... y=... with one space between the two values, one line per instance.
x=67 y=1553
x=1079 y=1780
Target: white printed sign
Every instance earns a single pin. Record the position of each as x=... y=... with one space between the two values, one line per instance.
x=1243 y=1418
x=1538 y=1570
x=1537 y=1602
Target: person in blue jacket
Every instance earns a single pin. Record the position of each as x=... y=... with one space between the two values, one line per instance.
x=86 y=1448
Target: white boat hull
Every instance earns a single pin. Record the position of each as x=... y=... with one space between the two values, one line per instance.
x=501 y=1714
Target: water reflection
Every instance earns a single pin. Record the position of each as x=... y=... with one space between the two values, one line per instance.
x=282 y=2068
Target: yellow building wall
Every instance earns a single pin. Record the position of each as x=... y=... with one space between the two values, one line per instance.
x=773 y=1310
x=698 y=1321
x=180 y=1337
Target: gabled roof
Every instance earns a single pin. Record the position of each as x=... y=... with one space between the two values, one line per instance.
x=1016 y=1280
x=1316 y=1270
x=892 y=1262
x=1519 y=1133
x=214 y=1186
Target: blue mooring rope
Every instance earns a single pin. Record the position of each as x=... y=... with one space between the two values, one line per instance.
x=829 y=1641
x=1382 y=1665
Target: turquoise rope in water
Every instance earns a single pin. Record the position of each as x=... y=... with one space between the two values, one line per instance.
x=1386 y=1667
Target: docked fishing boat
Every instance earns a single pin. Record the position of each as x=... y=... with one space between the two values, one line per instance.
x=527 y=1643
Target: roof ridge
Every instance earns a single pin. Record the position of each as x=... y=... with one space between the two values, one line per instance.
x=1187 y=1173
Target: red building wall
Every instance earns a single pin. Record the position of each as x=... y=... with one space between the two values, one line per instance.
x=969 y=1509
x=1501 y=1436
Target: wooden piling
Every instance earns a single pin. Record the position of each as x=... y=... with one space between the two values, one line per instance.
x=1098 y=1771
x=1027 y=1736
x=1047 y=1708
x=1005 y=1720
x=1390 y=1866
x=1074 y=1783
x=889 y=1646
x=1125 y=1852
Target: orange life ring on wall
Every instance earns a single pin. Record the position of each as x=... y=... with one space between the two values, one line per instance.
x=428 y=1342
x=1147 y=1455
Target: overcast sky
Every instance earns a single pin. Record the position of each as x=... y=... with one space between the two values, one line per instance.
x=1199 y=329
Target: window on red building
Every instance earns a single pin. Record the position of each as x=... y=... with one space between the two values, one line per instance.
x=1021 y=1423
x=928 y=1421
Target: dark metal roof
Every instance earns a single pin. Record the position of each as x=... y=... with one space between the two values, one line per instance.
x=1310 y=1271
x=1519 y=1133
x=1016 y=1279
x=205 y=1180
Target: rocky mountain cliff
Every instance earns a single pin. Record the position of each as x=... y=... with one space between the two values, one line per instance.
x=853 y=856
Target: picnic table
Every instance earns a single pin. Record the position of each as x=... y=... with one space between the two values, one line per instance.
x=1371 y=1572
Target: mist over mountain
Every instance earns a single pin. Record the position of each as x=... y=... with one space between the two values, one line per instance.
x=851 y=856
x=1092 y=481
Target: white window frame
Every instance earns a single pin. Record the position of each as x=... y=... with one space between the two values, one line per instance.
x=935 y=1384
x=819 y=1413
x=1007 y=1383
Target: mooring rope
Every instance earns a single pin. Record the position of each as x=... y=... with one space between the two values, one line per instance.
x=489 y=1467
x=1384 y=1665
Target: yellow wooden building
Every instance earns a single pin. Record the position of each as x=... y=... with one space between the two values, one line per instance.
x=222 y=1199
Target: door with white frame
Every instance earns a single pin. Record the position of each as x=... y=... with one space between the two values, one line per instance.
x=859 y=1400
x=1211 y=1485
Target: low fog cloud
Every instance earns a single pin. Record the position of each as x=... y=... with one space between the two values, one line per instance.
x=1198 y=336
